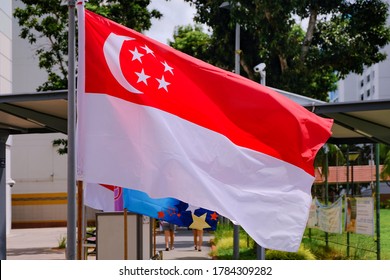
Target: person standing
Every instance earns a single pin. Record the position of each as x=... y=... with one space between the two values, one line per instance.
x=169 y=233
x=198 y=239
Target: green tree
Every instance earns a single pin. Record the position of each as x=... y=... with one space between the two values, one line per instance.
x=385 y=156
x=340 y=37
x=44 y=24
x=191 y=40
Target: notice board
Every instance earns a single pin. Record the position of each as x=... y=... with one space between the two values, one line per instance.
x=110 y=238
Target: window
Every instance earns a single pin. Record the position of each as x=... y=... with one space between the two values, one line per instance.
x=368 y=78
x=362 y=96
x=361 y=83
x=368 y=93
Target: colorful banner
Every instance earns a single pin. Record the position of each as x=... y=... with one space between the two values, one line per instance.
x=169 y=209
x=111 y=198
x=326 y=217
x=360 y=215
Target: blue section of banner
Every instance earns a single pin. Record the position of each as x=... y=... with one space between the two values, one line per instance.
x=168 y=209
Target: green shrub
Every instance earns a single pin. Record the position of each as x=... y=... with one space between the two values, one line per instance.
x=322 y=252
x=301 y=254
x=385 y=204
x=62 y=242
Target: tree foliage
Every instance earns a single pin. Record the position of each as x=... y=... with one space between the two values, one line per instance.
x=191 y=40
x=44 y=23
x=385 y=154
x=340 y=37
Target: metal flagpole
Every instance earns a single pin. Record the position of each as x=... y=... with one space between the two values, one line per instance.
x=71 y=225
x=377 y=199
x=236 y=227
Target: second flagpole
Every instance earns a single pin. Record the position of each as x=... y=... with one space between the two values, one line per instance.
x=71 y=210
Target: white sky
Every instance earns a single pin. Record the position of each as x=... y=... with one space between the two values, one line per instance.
x=175 y=12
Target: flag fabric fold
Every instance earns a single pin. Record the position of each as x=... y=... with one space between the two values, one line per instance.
x=103 y=197
x=170 y=125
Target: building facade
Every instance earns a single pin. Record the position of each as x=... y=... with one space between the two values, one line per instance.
x=6 y=87
x=372 y=84
x=39 y=195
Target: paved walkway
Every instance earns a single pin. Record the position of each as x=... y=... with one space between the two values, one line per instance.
x=184 y=246
x=42 y=243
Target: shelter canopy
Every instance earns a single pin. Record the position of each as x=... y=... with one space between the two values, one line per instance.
x=354 y=122
x=34 y=112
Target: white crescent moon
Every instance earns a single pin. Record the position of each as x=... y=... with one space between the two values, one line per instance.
x=111 y=50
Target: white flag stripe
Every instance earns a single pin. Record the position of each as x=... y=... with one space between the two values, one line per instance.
x=166 y=156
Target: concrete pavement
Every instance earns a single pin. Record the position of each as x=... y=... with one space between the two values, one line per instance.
x=184 y=246
x=42 y=244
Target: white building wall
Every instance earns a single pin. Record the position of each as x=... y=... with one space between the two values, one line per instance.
x=348 y=89
x=26 y=72
x=6 y=87
x=39 y=172
x=37 y=167
x=384 y=77
x=5 y=46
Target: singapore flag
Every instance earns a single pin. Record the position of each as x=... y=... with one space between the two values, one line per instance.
x=159 y=121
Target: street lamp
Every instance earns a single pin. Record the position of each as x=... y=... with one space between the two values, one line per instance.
x=228 y=6
x=259 y=68
x=236 y=227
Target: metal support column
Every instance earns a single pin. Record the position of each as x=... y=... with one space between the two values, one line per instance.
x=3 y=192
x=347 y=194
x=377 y=199
x=326 y=170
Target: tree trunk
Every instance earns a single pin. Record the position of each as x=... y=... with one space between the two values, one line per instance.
x=283 y=62
x=248 y=70
x=309 y=32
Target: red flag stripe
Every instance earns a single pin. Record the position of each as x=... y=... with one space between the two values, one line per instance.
x=247 y=113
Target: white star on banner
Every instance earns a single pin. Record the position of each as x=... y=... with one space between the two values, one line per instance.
x=148 y=51
x=163 y=84
x=142 y=77
x=167 y=67
x=136 y=55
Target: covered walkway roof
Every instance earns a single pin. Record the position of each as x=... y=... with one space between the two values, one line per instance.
x=34 y=112
x=354 y=122
x=357 y=122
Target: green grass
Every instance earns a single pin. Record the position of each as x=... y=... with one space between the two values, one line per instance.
x=362 y=247
x=62 y=242
x=385 y=234
x=223 y=238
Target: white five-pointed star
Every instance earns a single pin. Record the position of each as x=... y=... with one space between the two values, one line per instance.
x=136 y=55
x=142 y=77
x=163 y=84
x=167 y=67
x=148 y=51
